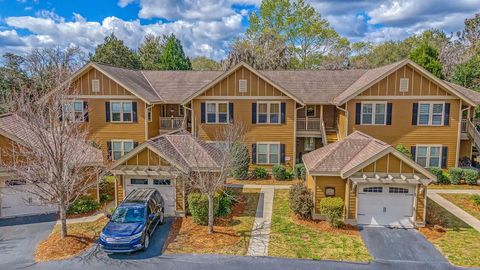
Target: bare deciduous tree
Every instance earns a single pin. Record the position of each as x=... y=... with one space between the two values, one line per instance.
x=53 y=155
x=209 y=181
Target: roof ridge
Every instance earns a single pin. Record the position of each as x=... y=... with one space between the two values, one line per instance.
x=149 y=83
x=167 y=137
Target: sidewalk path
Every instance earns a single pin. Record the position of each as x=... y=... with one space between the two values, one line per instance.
x=258 y=186
x=83 y=219
x=452 y=208
x=261 y=227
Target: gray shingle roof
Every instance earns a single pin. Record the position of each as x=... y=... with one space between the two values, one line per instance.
x=473 y=95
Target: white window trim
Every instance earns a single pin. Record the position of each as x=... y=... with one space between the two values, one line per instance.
x=268 y=112
x=314 y=111
x=373 y=103
x=217 y=112
x=428 y=146
x=430 y=113
x=72 y=117
x=97 y=81
x=122 y=143
x=121 y=111
x=268 y=153
x=149 y=114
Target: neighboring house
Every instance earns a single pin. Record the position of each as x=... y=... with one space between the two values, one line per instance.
x=15 y=200
x=380 y=185
x=287 y=113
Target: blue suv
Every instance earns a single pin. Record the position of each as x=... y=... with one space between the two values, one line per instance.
x=133 y=222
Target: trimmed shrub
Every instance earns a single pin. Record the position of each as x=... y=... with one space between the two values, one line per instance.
x=259 y=173
x=105 y=197
x=475 y=199
x=241 y=161
x=301 y=201
x=300 y=172
x=83 y=205
x=332 y=209
x=225 y=202
x=289 y=174
x=442 y=178
x=279 y=172
x=198 y=207
x=455 y=175
x=470 y=176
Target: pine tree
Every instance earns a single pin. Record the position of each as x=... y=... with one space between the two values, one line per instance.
x=427 y=57
x=113 y=52
x=150 y=52
x=173 y=57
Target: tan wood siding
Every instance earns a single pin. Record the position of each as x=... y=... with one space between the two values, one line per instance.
x=389 y=164
x=120 y=188
x=146 y=157
x=420 y=207
x=352 y=202
x=179 y=196
x=465 y=149
x=83 y=84
x=154 y=126
x=328 y=181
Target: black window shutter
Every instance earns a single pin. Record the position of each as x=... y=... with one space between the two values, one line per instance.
x=135 y=144
x=134 y=110
x=446 y=119
x=254 y=153
x=282 y=153
x=358 y=111
x=107 y=111
x=413 y=151
x=389 y=113
x=230 y=110
x=202 y=112
x=254 y=113
x=415 y=114
x=283 y=106
x=444 y=157
x=109 y=150
x=85 y=111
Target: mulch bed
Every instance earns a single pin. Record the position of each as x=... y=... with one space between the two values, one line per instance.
x=324 y=226
x=432 y=232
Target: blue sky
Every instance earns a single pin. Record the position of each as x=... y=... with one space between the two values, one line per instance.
x=207 y=26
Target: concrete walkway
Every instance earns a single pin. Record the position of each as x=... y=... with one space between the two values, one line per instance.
x=83 y=219
x=258 y=186
x=452 y=208
x=261 y=227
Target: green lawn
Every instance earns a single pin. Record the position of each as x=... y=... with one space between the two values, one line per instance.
x=461 y=243
x=290 y=239
x=434 y=186
x=463 y=201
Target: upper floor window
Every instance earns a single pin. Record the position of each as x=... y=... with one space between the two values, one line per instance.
x=268 y=112
x=431 y=113
x=373 y=113
x=309 y=144
x=429 y=155
x=74 y=111
x=121 y=111
x=310 y=111
x=121 y=147
x=268 y=153
x=149 y=114
x=217 y=112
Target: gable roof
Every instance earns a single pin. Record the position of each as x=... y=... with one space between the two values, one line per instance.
x=180 y=149
x=304 y=86
x=346 y=157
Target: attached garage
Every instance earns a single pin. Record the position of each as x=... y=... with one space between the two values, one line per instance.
x=379 y=185
x=163 y=185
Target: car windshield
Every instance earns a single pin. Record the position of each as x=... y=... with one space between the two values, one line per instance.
x=129 y=214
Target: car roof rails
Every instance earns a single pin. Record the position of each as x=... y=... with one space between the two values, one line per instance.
x=140 y=195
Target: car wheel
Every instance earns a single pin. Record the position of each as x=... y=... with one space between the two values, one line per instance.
x=146 y=243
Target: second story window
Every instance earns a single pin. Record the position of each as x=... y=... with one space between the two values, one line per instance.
x=268 y=112
x=373 y=113
x=121 y=111
x=431 y=114
x=149 y=114
x=310 y=111
x=75 y=111
x=217 y=112
x=120 y=148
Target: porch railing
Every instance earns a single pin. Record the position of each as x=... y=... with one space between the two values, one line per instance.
x=309 y=124
x=171 y=122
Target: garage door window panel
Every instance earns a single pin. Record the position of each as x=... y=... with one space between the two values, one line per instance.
x=135 y=181
x=373 y=189
x=398 y=190
x=162 y=182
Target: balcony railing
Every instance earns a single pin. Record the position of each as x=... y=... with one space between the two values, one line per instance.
x=313 y=124
x=171 y=122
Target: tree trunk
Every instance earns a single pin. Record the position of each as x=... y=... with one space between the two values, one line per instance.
x=210 y=214
x=63 y=220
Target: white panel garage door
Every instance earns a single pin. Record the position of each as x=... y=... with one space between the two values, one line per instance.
x=386 y=205
x=15 y=201
x=164 y=186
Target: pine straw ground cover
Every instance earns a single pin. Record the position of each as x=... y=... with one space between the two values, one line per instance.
x=296 y=238
x=232 y=233
x=80 y=237
x=457 y=241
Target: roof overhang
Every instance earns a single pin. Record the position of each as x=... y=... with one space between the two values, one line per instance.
x=160 y=171
x=390 y=179
x=251 y=69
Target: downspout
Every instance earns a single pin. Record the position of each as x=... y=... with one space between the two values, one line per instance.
x=185 y=108
x=295 y=134
x=346 y=119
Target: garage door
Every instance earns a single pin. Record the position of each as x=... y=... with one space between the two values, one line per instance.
x=164 y=186
x=386 y=205
x=15 y=201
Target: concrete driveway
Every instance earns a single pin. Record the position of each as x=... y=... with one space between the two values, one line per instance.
x=20 y=236
x=400 y=245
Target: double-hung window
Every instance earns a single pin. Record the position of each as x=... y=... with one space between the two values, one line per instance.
x=374 y=113
x=217 y=112
x=429 y=155
x=120 y=148
x=431 y=113
x=268 y=153
x=121 y=111
x=74 y=111
x=268 y=112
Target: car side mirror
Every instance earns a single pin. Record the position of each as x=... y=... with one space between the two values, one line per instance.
x=151 y=216
x=109 y=216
